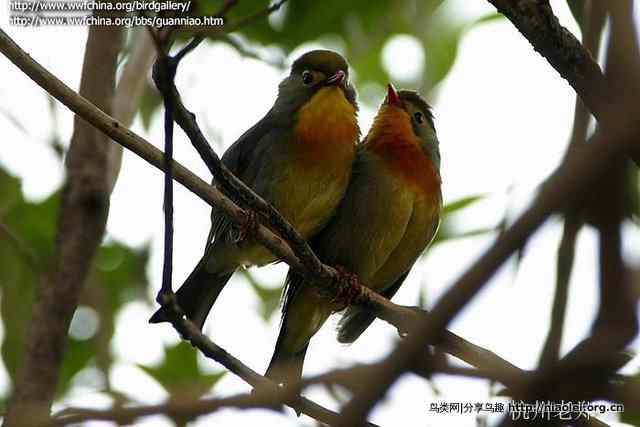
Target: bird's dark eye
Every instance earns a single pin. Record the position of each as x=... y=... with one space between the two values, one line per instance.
x=419 y=117
x=307 y=77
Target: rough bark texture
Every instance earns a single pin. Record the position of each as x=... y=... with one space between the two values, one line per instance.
x=81 y=223
x=537 y=23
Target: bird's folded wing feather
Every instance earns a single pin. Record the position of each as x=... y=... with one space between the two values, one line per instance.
x=241 y=159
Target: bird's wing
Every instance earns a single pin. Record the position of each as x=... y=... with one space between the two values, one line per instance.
x=359 y=237
x=240 y=159
x=420 y=231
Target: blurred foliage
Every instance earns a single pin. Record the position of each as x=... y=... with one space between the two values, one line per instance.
x=149 y=104
x=359 y=28
x=448 y=231
x=181 y=377
x=27 y=233
x=269 y=297
x=179 y=372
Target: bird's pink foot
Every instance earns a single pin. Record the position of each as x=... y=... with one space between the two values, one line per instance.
x=247 y=227
x=349 y=290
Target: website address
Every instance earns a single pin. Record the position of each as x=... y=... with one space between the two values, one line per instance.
x=31 y=6
x=538 y=410
x=124 y=21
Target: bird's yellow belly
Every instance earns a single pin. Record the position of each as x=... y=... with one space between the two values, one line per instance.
x=314 y=196
x=308 y=200
x=320 y=157
x=419 y=233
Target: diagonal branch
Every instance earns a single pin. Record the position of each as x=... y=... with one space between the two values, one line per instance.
x=398 y=315
x=537 y=23
x=264 y=386
x=572 y=179
x=575 y=174
x=594 y=13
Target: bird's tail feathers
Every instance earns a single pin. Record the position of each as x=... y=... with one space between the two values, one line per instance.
x=353 y=323
x=286 y=366
x=197 y=295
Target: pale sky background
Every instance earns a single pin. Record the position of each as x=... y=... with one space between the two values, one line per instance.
x=503 y=117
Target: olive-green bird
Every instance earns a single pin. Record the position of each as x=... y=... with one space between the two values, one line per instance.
x=388 y=217
x=298 y=157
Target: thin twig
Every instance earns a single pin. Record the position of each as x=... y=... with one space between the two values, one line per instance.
x=129 y=414
x=568 y=179
x=289 y=395
x=167 y=72
x=594 y=17
x=564 y=266
x=397 y=315
x=538 y=24
x=234 y=26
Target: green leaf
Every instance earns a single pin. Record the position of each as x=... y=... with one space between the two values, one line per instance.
x=76 y=357
x=447 y=230
x=446 y=233
x=460 y=204
x=27 y=235
x=269 y=297
x=361 y=26
x=179 y=373
x=577 y=10
x=489 y=17
x=181 y=377
x=150 y=102
x=26 y=241
x=441 y=49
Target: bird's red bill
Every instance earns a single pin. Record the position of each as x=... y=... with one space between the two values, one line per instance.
x=392 y=95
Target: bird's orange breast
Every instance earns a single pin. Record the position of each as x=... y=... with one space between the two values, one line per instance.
x=326 y=127
x=392 y=138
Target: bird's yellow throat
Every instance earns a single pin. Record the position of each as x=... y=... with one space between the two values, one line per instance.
x=327 y=120
x=392 y=138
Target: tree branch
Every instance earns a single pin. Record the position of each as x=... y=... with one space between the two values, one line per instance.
x=578 y=173
x=128 y=415
x=397 y=315
x=262 y=385
x=537 y=23
x=572 y=177
x=234 y=26
x=594 y=13
x=571 y=180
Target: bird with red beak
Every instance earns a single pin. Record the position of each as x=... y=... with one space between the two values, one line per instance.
x=388 y=217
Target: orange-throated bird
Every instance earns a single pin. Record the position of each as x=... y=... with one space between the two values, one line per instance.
x=388 y=217
x=298 y=157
